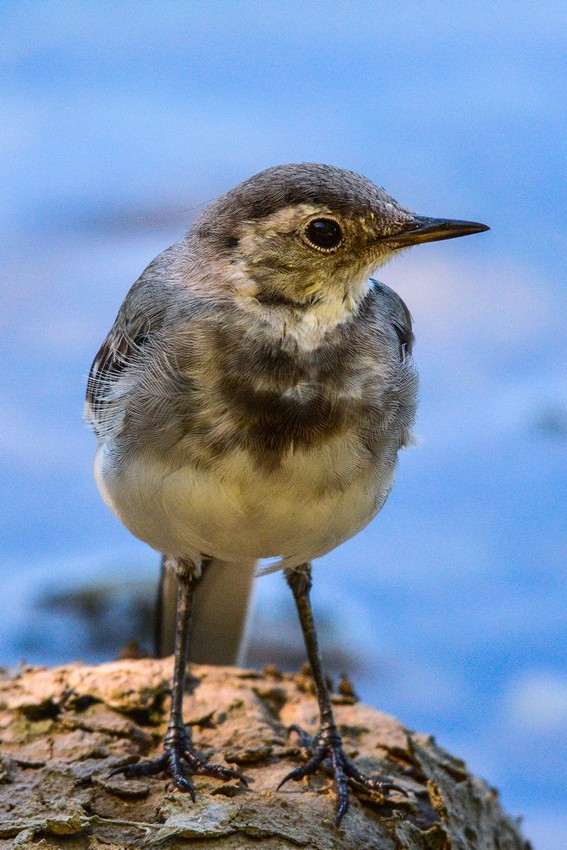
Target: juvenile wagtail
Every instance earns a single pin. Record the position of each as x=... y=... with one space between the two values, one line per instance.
x=250 y=401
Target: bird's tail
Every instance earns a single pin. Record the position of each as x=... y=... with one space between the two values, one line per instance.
x=220 y=615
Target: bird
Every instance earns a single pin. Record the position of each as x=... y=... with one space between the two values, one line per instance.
x=249 y=404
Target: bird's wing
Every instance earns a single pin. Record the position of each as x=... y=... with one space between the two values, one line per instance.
x=398 y=315
x=136 y=325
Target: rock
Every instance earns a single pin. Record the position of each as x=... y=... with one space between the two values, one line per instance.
x=63 y=730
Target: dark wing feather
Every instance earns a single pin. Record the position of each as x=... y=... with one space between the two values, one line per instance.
x=139 y=318
x=404 y=332
x=113 y=357
x=397 y=312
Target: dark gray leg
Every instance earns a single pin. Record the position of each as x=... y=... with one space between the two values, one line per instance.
x=327 y=743
x=178 y=754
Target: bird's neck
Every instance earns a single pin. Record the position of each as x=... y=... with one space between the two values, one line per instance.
x=302 y=326
x=287 y=322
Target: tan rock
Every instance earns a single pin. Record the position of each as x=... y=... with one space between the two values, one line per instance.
x=63 y=730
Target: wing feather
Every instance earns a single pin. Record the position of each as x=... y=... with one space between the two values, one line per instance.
x=112 y=373
x=398 y=314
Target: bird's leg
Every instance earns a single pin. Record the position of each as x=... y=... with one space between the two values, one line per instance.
x=178 y=754
x=327 y=743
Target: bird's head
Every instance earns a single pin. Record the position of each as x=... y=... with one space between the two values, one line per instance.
x=296 y=235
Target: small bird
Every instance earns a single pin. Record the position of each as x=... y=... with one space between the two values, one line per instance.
x=249 y=403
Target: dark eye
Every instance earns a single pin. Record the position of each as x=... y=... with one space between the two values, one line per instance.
x=325 y=234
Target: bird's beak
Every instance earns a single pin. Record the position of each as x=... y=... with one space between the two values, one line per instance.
x=424 y=229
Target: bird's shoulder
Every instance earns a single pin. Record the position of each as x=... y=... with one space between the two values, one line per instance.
x=387 y=307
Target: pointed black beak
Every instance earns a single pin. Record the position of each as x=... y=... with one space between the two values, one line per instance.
x=424 y=229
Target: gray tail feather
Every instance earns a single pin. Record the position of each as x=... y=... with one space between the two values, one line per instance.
x=220 y=616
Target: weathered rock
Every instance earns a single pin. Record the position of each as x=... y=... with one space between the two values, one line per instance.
x=63 y=730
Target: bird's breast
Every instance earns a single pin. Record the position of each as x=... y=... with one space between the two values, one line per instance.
x=312 y=501
x=242 y=449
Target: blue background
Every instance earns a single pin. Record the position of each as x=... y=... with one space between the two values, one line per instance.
x=119 y=121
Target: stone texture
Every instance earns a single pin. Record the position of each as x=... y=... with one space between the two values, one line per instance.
x=63 y=730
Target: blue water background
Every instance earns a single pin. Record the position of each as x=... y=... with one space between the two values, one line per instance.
x=119 y=121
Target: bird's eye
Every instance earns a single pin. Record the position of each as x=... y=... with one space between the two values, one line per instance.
x=324 y=234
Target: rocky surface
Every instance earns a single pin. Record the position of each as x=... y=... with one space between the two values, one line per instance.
x=63 y=730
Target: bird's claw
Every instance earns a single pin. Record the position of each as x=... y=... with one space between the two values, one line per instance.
x=327 y=744
x=178 y=757
x=303 y=738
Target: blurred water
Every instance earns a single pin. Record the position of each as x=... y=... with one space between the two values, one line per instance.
x=119 y=122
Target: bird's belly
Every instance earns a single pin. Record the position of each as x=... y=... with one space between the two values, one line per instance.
x=306 y=507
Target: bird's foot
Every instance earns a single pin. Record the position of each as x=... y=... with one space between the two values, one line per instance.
x=327 y=745
x=178 y=758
